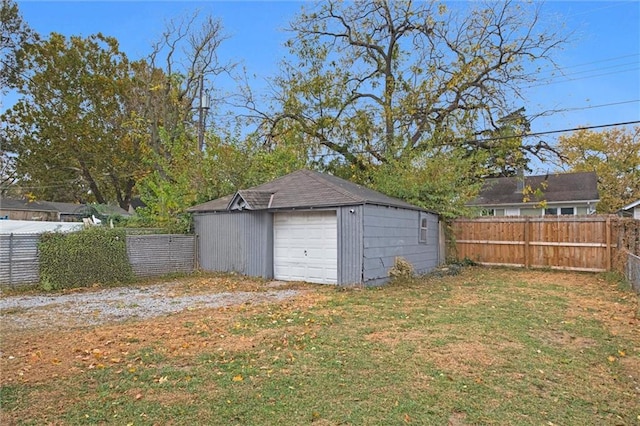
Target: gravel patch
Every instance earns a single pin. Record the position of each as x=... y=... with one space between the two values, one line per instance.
x=118 y=304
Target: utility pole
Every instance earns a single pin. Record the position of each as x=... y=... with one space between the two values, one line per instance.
x=203 y=107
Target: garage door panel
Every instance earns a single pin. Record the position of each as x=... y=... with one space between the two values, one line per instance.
x=305 y=247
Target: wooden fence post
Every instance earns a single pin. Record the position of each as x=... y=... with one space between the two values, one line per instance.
x=608 y=233
x=527 y=238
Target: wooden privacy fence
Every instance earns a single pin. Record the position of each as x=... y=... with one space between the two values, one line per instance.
x=577 y=243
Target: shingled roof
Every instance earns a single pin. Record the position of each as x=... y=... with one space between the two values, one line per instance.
x=563 y=187
x=15 y=204
x=301 y=189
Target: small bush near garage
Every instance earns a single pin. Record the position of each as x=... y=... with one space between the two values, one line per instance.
x=81 y=259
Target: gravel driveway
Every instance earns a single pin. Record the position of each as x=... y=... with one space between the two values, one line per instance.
x=118 y=304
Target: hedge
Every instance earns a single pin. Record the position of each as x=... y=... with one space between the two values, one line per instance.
x=81 y=259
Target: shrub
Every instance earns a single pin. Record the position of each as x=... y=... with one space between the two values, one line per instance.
x=81 y=259
x=402 y=270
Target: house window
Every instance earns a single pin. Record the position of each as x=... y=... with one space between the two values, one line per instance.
x=530 y=212
x=555 y=211
x=423 y=229
x=488 y=212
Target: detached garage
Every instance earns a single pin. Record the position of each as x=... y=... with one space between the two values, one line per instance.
x=309 y=226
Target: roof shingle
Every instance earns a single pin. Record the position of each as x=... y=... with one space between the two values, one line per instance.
x=582 y=186
x=305 y=189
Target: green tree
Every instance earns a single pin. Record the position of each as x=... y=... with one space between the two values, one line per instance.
x=72 y=131
x=614 y=155
x=14 y=33
x=190 y=177
x=377 y=82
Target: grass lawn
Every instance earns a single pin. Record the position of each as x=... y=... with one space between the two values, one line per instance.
x=488 y=346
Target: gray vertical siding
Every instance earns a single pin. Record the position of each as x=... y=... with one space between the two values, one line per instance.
x=390 y=232
x=236 y=242
x=157 y=255
x=350 y=245
x=19 y=263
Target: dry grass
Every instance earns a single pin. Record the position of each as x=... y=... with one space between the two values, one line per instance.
x=489 y=346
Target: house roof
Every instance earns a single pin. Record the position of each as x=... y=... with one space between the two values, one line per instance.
x=254 y=200
x=631 y=205
x=302 y=189
x=69 y=208
x=58 y=207
x=15 y=204
x=110 y=209
x=569 y=187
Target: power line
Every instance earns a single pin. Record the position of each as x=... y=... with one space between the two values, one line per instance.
x=549 y=112
x=601 y=105
x=580 y=78
x=497 y=138
x=599 y=61
x=549 y=132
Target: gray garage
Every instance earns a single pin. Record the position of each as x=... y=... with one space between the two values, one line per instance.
x=314 y=227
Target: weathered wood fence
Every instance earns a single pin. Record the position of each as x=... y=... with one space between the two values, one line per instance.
x=576 y=243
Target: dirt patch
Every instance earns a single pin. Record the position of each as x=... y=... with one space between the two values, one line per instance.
x=565 y=339
x=457 y=419
x=463 y=358
x=393 y=339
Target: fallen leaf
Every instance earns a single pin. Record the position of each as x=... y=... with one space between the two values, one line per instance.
x=238 y=378
x=611 y=358
x=163 y=379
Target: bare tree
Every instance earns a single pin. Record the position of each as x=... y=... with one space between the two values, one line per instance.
x=185 y=55
x=376 y=81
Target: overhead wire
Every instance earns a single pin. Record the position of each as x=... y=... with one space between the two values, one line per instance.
x=497 y=138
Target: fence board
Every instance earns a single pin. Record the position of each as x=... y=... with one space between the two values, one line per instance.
x=19 y=259
x=632 y=271
x=157 y=255
x=573 y=243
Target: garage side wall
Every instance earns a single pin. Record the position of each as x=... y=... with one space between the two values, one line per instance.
x=236 y=242
x=390 y=232
x=350 y=245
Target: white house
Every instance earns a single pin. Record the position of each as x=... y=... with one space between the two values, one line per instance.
x=631 y=210
x=544 y=195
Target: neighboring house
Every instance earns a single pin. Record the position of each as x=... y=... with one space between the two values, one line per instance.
x=552 y=194
x=308 y=226
x=37 y=227
x=71 y=212
x=112 y=210
x=53 y=211
x=14 y=209
x=631 y=210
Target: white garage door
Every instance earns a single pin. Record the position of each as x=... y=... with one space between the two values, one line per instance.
x=305 y=247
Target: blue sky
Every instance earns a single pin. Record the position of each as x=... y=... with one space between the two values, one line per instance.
x=602 y=64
